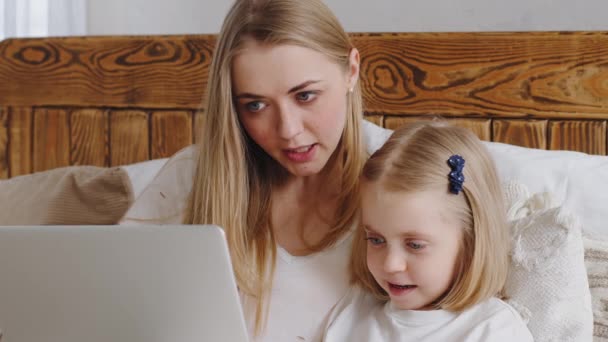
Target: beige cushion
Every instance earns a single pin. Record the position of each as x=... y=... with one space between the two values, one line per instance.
x=71 y=195
x=596 y=260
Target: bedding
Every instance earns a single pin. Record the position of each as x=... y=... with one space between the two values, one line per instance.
x=71 y=195
x=547 y=280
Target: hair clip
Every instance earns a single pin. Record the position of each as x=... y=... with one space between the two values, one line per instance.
x=456 y=177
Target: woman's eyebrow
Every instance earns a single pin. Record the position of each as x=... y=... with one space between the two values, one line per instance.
x=292 y=90
x=302 y=86
x=248 y=96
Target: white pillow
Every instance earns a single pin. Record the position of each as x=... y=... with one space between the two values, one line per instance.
x=164 y=198
x=547 y=280
x=578 y=181
x=141 y=174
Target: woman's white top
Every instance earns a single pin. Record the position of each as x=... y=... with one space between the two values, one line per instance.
x=361 y=317
x=305 y=290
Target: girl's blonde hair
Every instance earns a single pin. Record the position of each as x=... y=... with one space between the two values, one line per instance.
x=415 y=159
x=235 y=178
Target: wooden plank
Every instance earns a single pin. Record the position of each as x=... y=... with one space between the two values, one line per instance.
x=51 y=139
x=502 y=74
x=4 y=161
x=377 y=119
x=129 y=137
x=20 y=137
x=583 y=136
x=89 y=130
x=171 y=131
x=481 y=127
x=197 y=128
x=137 y=71
x=526 y=133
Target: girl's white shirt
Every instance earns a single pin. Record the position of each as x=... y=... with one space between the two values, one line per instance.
x=361 y=317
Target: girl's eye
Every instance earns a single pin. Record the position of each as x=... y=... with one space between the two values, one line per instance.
x=415 y=245
x=255 y=106
x=306 y=96
x=375 y=240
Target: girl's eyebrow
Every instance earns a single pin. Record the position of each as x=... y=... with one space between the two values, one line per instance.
x=409 y=234
x=292 y=90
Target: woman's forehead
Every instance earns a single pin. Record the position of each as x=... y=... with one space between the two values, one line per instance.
x=261 y=66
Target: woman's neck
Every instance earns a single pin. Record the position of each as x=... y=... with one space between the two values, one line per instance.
x=302 y=213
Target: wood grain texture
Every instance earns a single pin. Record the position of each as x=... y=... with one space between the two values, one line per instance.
x=129 y=137
x=20 y=137
x=523 y=74
x=481 y=127
x=526 y=133
x=89 y=131
x=4 y=161
x=582 y=136
x=51 y=139
x=142 y=71
x=197 y=125
x=534 y=89
x=171 y=131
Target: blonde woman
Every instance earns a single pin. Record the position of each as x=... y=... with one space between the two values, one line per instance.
x=280 y=153
x=430 y=257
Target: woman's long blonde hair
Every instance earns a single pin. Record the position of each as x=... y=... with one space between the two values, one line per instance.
x=234 y=177
x=415 y=159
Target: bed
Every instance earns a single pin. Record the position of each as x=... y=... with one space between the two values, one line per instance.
x=121 y=101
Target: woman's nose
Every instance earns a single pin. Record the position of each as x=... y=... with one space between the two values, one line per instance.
x=290 y=122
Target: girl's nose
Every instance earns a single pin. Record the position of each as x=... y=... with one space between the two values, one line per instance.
x=394 y=261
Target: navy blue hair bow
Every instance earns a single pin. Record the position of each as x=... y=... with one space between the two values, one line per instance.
x=456 y=177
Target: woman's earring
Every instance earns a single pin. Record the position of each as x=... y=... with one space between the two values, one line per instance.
x=350 y=90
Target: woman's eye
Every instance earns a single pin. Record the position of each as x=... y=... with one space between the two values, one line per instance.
x=375 y=240
x=306 y=96
x=415 y=245
x=255 y=106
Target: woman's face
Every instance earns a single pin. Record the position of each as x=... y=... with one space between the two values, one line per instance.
x=292 y=102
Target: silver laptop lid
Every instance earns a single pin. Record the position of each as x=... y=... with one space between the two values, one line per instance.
x=117 y=283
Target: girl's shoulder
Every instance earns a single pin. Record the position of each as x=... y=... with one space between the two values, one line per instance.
x=497 y=319
x=355 y=306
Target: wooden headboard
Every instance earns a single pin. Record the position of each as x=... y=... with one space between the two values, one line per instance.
x=117 y=100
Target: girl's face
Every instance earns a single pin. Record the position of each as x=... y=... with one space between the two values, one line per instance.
x=413 y=244
x=292 y=102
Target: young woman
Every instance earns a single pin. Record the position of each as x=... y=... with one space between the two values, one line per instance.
x=280 y=153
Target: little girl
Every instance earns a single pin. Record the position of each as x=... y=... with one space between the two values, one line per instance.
x=430 y=257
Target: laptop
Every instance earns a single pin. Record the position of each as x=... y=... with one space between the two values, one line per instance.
x=118 y=283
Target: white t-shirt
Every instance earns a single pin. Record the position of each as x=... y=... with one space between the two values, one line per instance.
x=361 y=317
x=305 y=289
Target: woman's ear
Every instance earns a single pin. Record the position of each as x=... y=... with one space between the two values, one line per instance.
x=353 y=69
